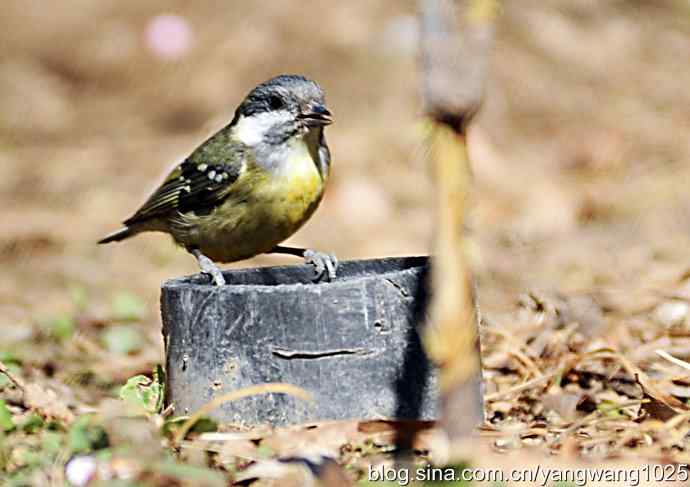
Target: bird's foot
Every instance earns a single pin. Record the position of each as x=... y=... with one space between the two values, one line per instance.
x=324 y=264
x=209 y=267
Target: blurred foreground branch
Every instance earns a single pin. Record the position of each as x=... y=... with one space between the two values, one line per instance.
x=456 y=39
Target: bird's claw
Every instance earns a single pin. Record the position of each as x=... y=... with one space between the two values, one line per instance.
x=325 y=265
x=208 y=267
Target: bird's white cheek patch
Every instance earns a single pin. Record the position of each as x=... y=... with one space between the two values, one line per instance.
x=252 y=130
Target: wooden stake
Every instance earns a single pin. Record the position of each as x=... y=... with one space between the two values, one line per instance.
x=456 y=40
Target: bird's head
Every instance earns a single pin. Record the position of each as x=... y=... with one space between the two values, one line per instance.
x=279 y=109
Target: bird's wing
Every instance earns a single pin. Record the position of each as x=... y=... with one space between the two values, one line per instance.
x=198 y=184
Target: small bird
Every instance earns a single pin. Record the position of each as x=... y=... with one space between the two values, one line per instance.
x=251 y=185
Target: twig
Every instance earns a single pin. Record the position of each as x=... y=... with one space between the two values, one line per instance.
x=593 y=415
x=521 y=387
x=672 y=359
x=234 y=396
x=15 y=380
x=518 y=353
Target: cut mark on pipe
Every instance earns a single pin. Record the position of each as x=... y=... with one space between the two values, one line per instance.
x=310 y=355
x=397 y=286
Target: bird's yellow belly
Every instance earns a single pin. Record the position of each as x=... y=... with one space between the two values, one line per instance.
x=276 y=208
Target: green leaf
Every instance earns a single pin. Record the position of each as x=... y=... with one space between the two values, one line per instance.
x=33 y=423
x=128 y=307
x=51 y=442
x=171 y=425
x=159 y=377
x=6 y=423
x=265 y=451
x=117 y=483
x=86 y=435
x=610 y=409
x=6 y=357
x=27 y=457
x=62 y=327
x=122 y=339
x=202 y=425
x=198 y=476
x=142 y=393
x=80 y=296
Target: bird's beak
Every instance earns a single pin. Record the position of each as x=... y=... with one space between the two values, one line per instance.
x=315 y=116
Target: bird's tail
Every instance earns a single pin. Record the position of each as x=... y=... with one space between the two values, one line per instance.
x=121 y=234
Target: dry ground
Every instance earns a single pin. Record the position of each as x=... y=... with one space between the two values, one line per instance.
x=581 y=220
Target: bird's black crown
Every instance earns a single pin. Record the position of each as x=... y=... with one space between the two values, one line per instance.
x=287 y=91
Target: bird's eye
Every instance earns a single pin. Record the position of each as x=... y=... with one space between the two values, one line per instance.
x=276 y=102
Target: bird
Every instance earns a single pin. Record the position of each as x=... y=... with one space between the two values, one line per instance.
x=249 y=186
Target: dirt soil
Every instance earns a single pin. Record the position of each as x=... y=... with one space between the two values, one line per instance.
x=580 y=220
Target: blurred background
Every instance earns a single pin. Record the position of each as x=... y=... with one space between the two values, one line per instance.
x=581 y=152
